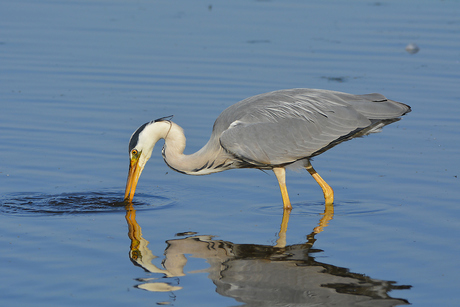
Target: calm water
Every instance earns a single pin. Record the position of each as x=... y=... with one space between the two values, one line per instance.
x=78 y=77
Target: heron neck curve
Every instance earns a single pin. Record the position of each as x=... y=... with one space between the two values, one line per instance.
x=207 y=160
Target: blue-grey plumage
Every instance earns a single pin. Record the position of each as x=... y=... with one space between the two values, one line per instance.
x=268 y=131
x=284 y=126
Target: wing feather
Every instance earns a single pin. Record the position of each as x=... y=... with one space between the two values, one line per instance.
x=284 y=126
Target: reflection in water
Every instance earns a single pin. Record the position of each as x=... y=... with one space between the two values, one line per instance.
x=263 y=275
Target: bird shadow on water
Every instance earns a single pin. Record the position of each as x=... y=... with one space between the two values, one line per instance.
x=25 y=204
x=259 y=275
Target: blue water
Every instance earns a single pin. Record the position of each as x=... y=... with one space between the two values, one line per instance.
x=77 y=78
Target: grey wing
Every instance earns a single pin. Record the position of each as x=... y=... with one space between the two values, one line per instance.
x=284 y=126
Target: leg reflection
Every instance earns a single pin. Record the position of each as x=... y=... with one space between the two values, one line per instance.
x=327 y=216
x=281 y=242
x=323 y=222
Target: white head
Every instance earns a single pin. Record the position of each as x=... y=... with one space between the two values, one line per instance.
x=140 y=149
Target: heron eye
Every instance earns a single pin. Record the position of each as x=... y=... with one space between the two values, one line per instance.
x=134 y=152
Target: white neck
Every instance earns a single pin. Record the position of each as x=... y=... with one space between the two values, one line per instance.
x=202 y=162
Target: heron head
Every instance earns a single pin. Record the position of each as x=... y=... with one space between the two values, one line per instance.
x=140 y=149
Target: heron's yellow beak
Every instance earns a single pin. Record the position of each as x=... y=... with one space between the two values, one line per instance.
x=134 y=173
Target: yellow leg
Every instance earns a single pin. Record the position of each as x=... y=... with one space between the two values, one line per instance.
x=280 y=174
x=327 y=190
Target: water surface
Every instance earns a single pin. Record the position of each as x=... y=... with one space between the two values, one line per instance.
x=77 y=78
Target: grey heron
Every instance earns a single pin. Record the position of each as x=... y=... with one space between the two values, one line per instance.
x=268 y=131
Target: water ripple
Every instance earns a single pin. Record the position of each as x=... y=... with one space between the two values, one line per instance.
x=317 y=208
x=74 y=203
